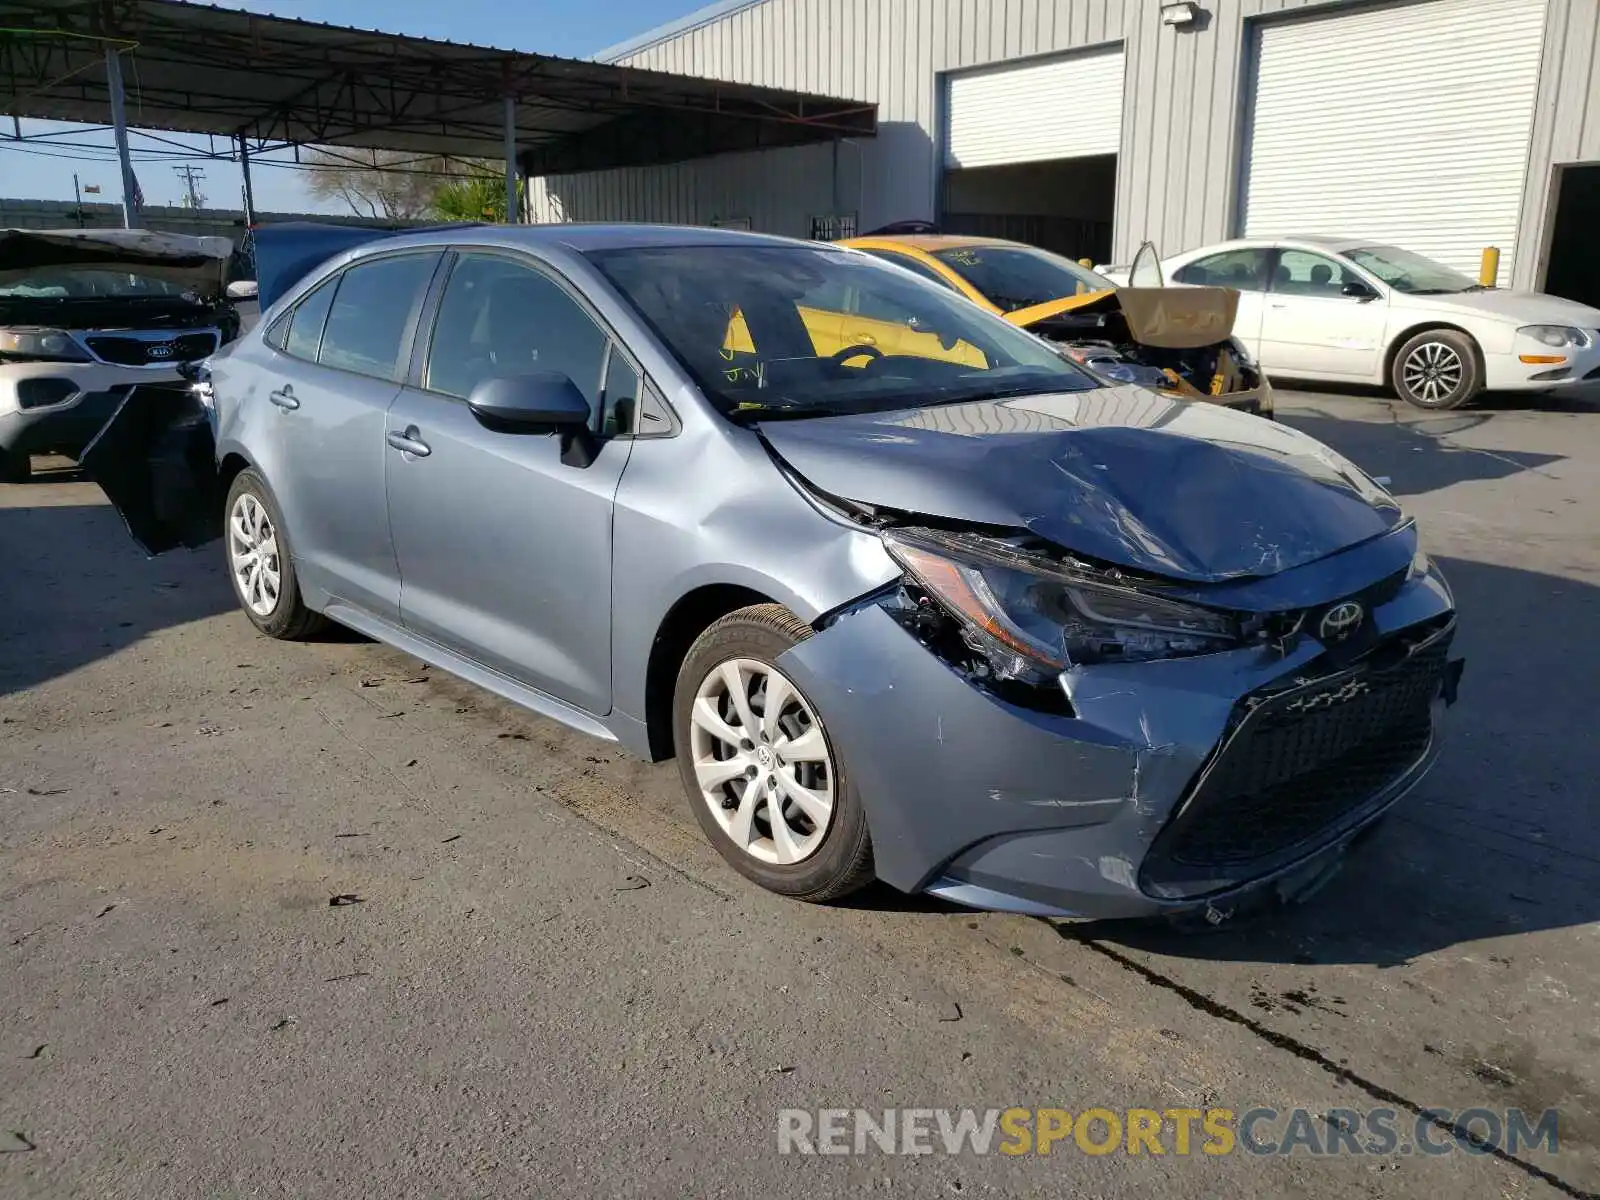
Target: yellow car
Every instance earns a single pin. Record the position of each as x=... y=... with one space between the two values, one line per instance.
x=1178 y=340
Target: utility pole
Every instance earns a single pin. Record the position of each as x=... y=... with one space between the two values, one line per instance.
x=190 y=175
x=77 y=194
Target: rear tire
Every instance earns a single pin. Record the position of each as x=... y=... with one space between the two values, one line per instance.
x=1437 y=369
x=260 y=565
x=764 y=779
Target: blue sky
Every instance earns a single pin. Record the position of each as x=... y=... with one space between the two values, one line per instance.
x=572 y=28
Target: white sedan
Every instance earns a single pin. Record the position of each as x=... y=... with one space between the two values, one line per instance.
x=1352 y=311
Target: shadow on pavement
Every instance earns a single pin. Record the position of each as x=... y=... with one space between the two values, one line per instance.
x=1500 y=839
x=74 y=588
x=1415 y=454
x=1585 y=400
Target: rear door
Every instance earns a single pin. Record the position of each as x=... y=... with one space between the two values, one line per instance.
x=504 y=550
x=335 y=370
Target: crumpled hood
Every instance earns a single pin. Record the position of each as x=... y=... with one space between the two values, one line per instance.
x=1191 y=491
x=197 y=262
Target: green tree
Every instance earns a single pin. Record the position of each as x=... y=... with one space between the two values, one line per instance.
x=474 y=197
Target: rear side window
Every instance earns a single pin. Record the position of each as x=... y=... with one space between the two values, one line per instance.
x=304 y=333
x=372 y=310
x=1243 y=269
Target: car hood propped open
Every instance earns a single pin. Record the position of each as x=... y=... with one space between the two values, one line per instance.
x=200 y=263
x=1189 y=491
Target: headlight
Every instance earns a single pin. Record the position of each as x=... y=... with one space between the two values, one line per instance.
x=1559 y=336
x=1031 y=616
x=53 y=344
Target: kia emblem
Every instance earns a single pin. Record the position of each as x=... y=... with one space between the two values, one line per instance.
x=1340 y=621
x=164 y=350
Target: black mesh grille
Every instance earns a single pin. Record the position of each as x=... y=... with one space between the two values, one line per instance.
x=140 y=352
x=1298 y=762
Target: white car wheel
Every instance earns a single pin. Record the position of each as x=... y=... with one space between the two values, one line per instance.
x=762 y=762
x=253 y=554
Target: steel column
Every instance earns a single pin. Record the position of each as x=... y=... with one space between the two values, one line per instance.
x=119 y=126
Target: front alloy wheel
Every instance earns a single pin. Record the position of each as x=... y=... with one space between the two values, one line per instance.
x=1437 y=369
x=761 y=762
x=765 y=781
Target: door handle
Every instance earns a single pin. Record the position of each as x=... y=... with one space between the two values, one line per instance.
x=284 y=398
x=409 y=442
x=1277 y=306
x=862 y=339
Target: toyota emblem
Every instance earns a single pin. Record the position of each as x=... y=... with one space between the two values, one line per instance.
x=1340 y=621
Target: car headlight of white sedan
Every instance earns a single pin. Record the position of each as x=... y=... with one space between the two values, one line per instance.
x=1560 y=337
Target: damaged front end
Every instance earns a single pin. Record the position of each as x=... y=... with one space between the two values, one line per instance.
x=1176 y=340
x=1070 y=737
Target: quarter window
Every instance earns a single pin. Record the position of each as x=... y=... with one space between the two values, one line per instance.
x=501 y=317
x=366 y=331
x=304 y=333
x=1243 y=269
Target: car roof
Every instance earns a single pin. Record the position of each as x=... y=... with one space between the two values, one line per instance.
x=929 y=241
x=583 y=237
x=1324 y=242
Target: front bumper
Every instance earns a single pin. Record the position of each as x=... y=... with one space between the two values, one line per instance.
x=1579 y=368
x=1107 y=812
x=67 y=425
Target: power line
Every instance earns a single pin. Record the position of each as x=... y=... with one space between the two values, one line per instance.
x=190 y=175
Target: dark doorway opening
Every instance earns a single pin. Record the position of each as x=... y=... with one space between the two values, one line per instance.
x=1064 y=205
x=1574 y=270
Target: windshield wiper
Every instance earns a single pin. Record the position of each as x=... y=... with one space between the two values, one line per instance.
x=1481 y=287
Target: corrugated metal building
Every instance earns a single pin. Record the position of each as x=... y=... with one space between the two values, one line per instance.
x=1092 y=125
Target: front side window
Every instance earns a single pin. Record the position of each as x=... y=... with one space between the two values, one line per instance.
x=1242 y=269
x=742 y=322
x=371 y=313
x=1018 y=277
x=1412 y=273
x=502 y=317
x=1301 y=273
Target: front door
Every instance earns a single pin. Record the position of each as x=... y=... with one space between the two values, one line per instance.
x=1310 y=327
x=505 y=551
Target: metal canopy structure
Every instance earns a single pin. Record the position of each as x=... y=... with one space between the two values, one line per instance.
x=194 y=68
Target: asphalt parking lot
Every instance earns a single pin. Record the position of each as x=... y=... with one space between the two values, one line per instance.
x=545 y=981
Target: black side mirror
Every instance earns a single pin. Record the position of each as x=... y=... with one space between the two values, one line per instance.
x=1357 y=290
x=538 y=402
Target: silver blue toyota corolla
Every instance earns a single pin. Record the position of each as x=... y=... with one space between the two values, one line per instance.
x=908 y=595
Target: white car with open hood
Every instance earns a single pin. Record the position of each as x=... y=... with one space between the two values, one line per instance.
x=1347 y=310
x=85 y=315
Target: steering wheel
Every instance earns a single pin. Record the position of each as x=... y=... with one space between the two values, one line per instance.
x=841 y=357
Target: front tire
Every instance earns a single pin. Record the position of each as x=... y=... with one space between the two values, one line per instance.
x=1437 y=369
x=762 y=775
x=260 y=565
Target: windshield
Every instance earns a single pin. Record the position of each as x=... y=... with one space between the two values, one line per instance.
x=1016 y=277
x=1412 y=273
x=795 y=331
x=88 y=283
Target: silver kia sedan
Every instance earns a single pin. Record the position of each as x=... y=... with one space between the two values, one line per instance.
x=908 y=595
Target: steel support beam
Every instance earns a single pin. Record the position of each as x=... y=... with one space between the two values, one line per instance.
x=249 y=191
x=513 y=216
x=119 y=126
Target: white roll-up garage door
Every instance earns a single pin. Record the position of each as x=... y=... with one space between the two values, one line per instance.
x=1032 y=112
x=1407 y=124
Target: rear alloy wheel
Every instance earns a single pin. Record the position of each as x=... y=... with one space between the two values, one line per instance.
x=1437 y=369
x=259 y=563
x=765 y=782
